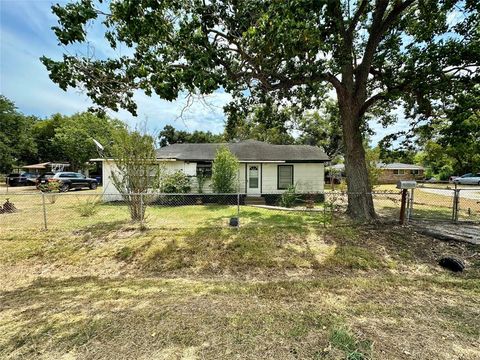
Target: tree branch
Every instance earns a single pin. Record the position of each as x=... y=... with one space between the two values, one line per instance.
x=379 y=27
x=356 y=17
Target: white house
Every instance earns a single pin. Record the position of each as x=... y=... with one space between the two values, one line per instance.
x=265 y=169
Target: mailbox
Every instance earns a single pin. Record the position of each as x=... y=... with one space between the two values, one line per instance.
x=406 y=184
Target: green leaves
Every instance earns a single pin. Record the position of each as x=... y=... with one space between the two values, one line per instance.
x=72 y=20
x=16 y=144
x=224 y=171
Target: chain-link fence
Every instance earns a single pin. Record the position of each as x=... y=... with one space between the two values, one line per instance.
x=82 y=210
x=448 y=203
x=79 y=210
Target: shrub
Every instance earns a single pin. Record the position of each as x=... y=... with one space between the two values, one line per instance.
x=88 y=208
x=224 y=171
x=176 y=183
x=289 y=197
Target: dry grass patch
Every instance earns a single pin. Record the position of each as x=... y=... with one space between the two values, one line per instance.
x=109 y=290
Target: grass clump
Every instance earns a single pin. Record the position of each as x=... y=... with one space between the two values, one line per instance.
x=353 y=348
x=125 y=253
x=88 y=207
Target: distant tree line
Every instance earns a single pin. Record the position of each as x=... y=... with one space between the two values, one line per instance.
x=449 y=146
x=28 y=139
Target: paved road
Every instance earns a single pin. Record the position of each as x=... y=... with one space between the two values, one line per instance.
x=471 y=194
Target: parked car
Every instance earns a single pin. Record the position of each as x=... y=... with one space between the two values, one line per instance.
x=468 y=179
x=21 y=179
x=68 y=180
x=337 y=179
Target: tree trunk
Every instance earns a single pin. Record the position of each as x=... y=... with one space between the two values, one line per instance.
x=360 y=201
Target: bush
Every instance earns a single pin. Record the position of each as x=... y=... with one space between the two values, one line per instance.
x=224 y=171
x=88 y=208
x=176 y=183
x=289 y=197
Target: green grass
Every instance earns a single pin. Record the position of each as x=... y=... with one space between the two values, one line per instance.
x=353 y=348
x=71 y=211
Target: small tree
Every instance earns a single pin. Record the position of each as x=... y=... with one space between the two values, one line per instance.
x=136 y=169
x=373 y=158
x=224 y=171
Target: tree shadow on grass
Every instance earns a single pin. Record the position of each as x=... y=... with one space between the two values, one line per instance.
x=105 y=228
x=223 y=250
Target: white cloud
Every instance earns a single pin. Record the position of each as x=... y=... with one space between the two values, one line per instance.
x=26 y=36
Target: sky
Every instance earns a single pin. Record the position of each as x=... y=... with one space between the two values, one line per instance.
x=26 y=35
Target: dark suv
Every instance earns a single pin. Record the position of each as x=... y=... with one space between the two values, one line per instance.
x=23 y=179
x=68 y=180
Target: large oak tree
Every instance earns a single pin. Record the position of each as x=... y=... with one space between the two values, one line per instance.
x=372 y=53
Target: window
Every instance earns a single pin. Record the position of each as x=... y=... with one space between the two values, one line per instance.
x=285 y=176
x=204 y=169
x=253 y=177
x=415 y=172
x=398 y=172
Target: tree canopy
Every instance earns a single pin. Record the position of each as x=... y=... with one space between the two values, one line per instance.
x=27 y=139
x=374 y=54
x=15 y=143
x=169 y=135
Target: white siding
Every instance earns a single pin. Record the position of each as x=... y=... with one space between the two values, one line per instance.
x=307 y=177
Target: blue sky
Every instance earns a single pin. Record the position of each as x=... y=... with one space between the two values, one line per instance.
x=26 y=35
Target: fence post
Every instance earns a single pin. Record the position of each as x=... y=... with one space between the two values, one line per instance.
x=324 y=210
x=141 y=210
x=238 y=208
x=403 y=206
x=44 y=211
x=410 y=206
x=456 y=199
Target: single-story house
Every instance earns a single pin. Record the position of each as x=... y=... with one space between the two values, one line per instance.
x=390 y=173
x=265 y=169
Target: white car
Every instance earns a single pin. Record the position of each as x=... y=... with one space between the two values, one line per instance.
x=468 y=179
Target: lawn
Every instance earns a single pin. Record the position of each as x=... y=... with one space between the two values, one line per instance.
x=189 y=287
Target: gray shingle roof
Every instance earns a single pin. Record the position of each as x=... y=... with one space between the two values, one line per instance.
x=249 y=150
x=392 y=166
x=399 y=166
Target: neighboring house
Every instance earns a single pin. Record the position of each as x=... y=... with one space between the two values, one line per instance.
x=391 y=173
x=46 y=167
x=264 y=169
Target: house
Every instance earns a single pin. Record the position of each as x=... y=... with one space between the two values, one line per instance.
x=391 y=173
x=46 y=166
x=265 y=170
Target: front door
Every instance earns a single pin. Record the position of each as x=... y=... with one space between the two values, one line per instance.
x=253 y=179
